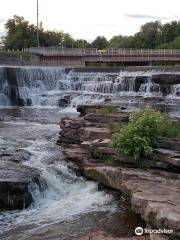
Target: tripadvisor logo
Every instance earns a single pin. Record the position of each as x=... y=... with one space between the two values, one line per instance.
x=139 y=231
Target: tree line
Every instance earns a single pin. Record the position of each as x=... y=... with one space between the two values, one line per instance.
x=21 y=34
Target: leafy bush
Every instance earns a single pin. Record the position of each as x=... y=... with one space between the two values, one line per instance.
x=141 y=135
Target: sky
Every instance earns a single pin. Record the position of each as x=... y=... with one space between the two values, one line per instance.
x=90 y=18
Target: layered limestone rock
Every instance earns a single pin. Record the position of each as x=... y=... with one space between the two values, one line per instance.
x=155 y=197
x=154 y=193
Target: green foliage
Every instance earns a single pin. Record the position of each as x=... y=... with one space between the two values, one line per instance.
x=141 y=135
x=81 y=43
x=109 y=160
x=170 y=31
x=114 y=127
x=22 y=55
x=21 y=34
x=170 y=129
x=108 y=109
x=151 y=35
x=121 y=42
x=100 y=42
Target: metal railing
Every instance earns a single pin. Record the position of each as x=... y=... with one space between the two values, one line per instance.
x=93 y=54
x=47 y=51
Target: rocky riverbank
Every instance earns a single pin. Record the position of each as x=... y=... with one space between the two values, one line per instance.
x=15 y=178
x=154 y=193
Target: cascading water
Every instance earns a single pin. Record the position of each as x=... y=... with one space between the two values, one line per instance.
x=4 y=90
x=175 y=90
x=64 y=196
x=67 y=202
x=36 y=86
x=150 y=88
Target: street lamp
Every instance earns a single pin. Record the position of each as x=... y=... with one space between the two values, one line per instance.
x=38 y=24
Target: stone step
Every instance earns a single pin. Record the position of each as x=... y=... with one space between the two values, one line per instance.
x=155 y=197
x=107 y=118
x=168 y=156
x=170 y=143
x=92 y=133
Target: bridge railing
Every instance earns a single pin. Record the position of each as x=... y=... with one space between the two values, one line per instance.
x=60 y=51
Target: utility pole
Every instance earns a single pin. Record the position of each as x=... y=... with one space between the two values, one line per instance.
x=38 y=45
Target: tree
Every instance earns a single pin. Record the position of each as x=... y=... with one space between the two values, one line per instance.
x=150 y=34
x=20 y=34
x=81 y=43
x=175 y=44
x=100 y=42
x=122 y=42
x=170 y=31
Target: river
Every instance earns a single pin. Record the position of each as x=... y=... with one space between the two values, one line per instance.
x=68 y=206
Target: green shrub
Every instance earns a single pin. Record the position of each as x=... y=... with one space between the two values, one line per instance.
x=140 y=136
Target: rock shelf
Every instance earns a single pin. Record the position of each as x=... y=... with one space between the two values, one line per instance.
x=154 y=192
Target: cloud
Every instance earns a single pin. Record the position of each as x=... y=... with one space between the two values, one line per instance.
x=144 y=16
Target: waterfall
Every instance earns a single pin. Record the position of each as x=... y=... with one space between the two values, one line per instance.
x=150 y=88
x=4 y=89
x=55 y=86
x=175 y=90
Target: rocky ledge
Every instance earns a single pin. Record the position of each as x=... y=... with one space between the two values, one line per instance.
x=155 y=197
x=15 y=179
x=154 y=193
x=101 y=236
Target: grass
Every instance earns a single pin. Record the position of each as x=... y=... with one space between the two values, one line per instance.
x=115 y=127
x=108 y=109
x=170 y=130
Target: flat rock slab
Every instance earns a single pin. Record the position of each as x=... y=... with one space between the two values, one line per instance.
x=99 y=235
x=14 y=155
x=156 y=198
x=92 y=133
x=106 y=118
x=168 y=156
x=170 y=143
x=14 y=181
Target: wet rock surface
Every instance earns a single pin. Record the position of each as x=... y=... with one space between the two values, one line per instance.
x=14 y=181
x=155 y=197
x=153 y=193
x=102 y=236
x=14 y=155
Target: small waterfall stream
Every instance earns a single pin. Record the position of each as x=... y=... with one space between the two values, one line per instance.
x=64 y=197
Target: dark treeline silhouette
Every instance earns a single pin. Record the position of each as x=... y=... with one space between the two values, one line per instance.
x=21 y=34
